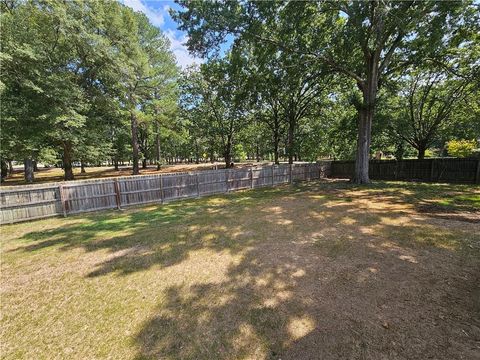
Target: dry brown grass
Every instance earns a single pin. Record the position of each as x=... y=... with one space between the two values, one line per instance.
x=323 y=270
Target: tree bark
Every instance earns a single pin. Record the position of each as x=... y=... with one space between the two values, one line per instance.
x=212 y=155
x=276 y=141
x=10 y=167
x=365 y=116
x=144 y=163
x=115 y=163
x=421 y=152
x=67 y=161
x=290 y=139
x=29 y=174
x=399 y=151
x=4 y=170
x=158 y=149
x=35 y=166
x=134 y=127
x=228 y=153
x=363 y=147
x=82 y=167
x=197 y=153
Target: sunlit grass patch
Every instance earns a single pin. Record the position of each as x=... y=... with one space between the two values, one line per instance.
x=471 y=200
x=425 y=236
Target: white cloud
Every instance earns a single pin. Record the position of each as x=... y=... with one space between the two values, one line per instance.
x=156 y=16
x=177 y=45
x=177 y=39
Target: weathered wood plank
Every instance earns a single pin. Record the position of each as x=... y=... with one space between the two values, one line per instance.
x=34 y=202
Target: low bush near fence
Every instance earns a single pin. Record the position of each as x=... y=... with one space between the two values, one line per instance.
x=41 y=201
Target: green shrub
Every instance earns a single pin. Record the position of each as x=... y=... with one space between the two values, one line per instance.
x=461 y=148
x=239 y=154
x=429 y=153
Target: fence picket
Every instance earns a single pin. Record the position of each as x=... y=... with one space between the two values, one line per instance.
x=445 y=170
x=35 y=202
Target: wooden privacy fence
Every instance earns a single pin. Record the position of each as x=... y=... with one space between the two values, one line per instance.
x=432 y=170
x=40 y=201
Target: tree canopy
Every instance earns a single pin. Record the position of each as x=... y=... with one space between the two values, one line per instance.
x=86 y=82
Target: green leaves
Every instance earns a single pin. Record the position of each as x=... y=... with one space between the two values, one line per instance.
x=70 y=67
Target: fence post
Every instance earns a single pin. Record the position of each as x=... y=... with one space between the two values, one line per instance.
x=198 y=188
x=118 y=199
x=477 y=175
x=432 y=164
x=63 y=200
x=273 y=174
x=291 y=175
x=226 y=179
x=251 y=177
x=162 y=194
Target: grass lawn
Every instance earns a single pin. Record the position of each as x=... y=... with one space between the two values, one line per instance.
x=321 y=270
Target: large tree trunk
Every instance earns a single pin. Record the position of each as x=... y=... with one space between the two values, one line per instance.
x=82 y=167
x=158 y=150
x=228 y=160
x=399 y=151
x=115 y=163
x=10 y=167
x=134 y=126
x=276 y=141
x=363 y=147
x=4 y=170
x=67 y=161
x=291 y=139
x=421 y=152
x=197 y=153
x=228 y=153
x=144 y=163
x=28 y=165
x=212 y=156
x=365 y=118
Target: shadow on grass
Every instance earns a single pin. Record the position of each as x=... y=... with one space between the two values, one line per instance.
x=320 y=273
x=161 y=234
x=294 y=295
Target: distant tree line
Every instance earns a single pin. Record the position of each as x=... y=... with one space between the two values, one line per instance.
x=83 y=81
x=340 y=78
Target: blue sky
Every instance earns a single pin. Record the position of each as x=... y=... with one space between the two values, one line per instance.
x=157 y=12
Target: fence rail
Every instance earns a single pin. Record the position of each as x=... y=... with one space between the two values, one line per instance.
x=41 y=201
x=431 y=170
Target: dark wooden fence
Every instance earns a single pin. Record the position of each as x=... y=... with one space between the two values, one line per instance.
x=428 y=170
x=30 y=202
